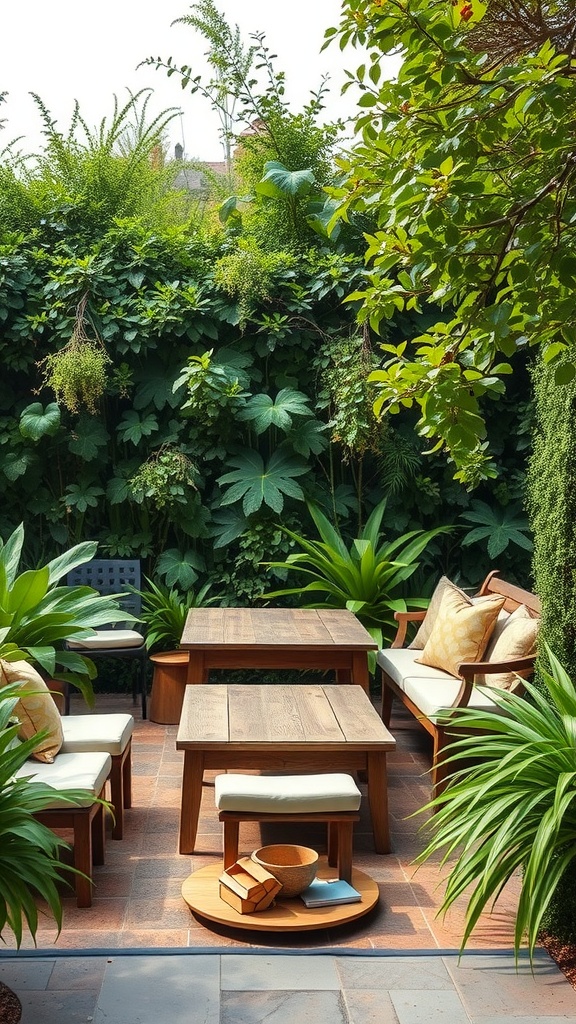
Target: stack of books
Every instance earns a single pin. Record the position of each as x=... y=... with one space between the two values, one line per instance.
x=329 y=892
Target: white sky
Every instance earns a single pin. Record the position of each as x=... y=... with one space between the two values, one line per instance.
x=66 y=50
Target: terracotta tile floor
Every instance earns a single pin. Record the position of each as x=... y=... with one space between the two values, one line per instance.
x=137 y=899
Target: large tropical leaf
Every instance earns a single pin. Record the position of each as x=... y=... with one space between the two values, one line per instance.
x=279 y=181
x=37 y=421
x=498 y=526
x=266 y=412
x=255 y=483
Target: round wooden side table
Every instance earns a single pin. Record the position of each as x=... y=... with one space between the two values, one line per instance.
x=168 y=686
x=201 y=893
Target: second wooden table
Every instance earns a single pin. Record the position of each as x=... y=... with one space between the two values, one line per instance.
x=285 y=729
x=276 y=638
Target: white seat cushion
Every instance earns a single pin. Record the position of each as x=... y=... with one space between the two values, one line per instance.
x=71 y=771
x=109 y=638
x=108 y=734
x=286 y=794
x=430 y=689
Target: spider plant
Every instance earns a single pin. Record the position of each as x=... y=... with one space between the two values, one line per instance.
x=29 y=852
x=367 y=577
x=514 y=806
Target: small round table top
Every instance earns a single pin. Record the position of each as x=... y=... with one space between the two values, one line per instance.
x=201 y=893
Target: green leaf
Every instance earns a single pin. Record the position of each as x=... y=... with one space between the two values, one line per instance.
x=279 y=181
x=265 y=412
x=133 y=428
x=255 y=484
x=37 y=422
x=88 y=437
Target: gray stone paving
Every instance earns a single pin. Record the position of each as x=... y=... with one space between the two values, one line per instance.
x=232 y=988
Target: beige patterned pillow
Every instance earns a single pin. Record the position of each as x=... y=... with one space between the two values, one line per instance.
x=516 y=640
x=423 y=635
x=461 y=631
x=35 y=709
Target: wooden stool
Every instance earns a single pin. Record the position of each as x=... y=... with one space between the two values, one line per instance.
x=333 y=798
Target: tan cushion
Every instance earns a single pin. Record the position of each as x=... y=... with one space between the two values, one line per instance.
x=107 y=733
x=517 y=639
x=35 y=709
x=461 y=631
x=87 y=771
x=286 y=794
x=108 y=638
x=423 y=635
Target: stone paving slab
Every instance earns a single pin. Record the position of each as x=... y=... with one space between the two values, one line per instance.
x=491 y=986
x=280 y=988
x=146 y=990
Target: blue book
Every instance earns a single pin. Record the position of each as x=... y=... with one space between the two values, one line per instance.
x=326 y=892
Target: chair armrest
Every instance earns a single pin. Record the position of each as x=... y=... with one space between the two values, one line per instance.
x=480 y=668
x=468 y=670
x=403 y=618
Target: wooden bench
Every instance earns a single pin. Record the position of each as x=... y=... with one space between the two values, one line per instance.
x=429 y=692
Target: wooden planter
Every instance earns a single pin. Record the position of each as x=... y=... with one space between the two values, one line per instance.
x=168 y=685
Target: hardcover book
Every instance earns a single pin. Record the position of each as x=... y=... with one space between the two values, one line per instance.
x=325 y=892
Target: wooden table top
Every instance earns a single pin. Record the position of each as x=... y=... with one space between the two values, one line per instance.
x=273 y=716
x=257 y=628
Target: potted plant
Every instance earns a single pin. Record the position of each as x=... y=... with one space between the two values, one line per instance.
x=29 y=852
x=164 y=612
x=511 y=802
x=38 y=613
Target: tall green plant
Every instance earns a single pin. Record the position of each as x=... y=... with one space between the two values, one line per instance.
x=164 y=611
x=514 y=806
x=30 y=866
x=366 y=577
x=37 y=615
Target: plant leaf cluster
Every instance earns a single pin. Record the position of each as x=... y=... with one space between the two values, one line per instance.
x=511 y=803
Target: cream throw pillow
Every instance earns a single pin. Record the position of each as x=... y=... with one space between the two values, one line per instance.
x=461 y=631
x=423 y=635
x=517 y=639
x=35 y=709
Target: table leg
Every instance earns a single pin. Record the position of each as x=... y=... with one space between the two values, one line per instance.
x=378 y=801
x=360 y=674
x=197 y=672
x=191 y=795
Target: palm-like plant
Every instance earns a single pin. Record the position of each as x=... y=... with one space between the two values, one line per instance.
x=29 y=861
x=37 y=616
x=366 y=577
x=164 y=612
x=514 y=806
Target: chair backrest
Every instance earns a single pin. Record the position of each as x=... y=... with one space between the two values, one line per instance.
x=110 y=576
x=514 y=596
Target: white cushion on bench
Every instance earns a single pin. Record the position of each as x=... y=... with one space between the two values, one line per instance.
x=71 y=771
x=430 y=689
x=286 y=794
x=106 y=638
x=107 y=734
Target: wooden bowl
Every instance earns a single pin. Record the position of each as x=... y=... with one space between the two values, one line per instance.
x=294 y=866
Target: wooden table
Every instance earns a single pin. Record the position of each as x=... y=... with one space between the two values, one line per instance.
x=201 y=892
x=274 y=638
x=290 y=729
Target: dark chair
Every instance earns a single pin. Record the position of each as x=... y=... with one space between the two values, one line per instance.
x=113 y=576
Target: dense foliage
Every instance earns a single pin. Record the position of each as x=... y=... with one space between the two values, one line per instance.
x=178 y=383
x=466 y=163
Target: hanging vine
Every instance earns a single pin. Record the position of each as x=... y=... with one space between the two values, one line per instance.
x=77 y=373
